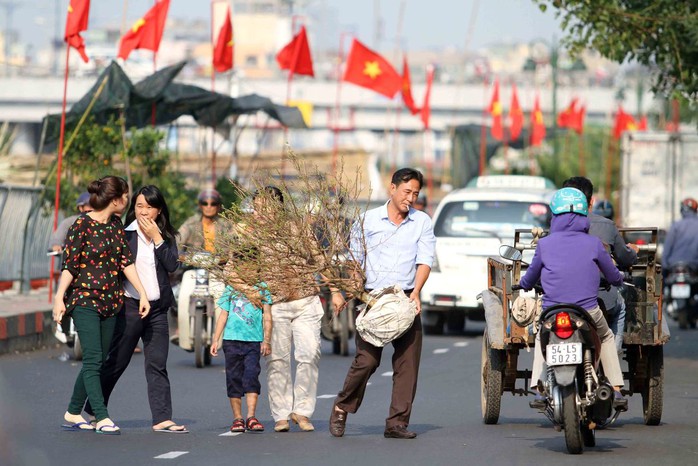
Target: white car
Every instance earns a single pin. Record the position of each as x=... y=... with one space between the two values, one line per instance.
x=470 y=224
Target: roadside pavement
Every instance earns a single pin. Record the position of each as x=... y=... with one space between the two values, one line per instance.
x=25 y=321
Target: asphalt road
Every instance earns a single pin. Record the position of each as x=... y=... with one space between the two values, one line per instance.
x=35 y=388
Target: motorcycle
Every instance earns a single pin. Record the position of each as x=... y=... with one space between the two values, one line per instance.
x=196 y=311
x=578 y=397
x=682 y=294
x=65 y=331
x=337 y=328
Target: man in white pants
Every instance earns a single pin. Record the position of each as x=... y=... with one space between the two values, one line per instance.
x=297 y=322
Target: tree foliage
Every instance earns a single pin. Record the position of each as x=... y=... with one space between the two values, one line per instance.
x=293 y=245
x=101 y=150
x=662 y=34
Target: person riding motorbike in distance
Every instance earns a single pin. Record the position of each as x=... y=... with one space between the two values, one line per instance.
x=681 y=244
x=198 y=233
x=567 y=262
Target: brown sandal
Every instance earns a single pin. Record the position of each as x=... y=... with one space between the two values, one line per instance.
x=238 y=425
x=254 y=425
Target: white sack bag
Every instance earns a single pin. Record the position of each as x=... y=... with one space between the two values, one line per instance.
x=388 y=315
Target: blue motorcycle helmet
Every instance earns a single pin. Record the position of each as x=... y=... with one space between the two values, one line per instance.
x=569 y=200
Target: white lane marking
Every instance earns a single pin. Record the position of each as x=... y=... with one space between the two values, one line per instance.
x=461 y=344
x=230 y=434
x=326 y=396
x=387 y=374
x=170 y=455
x=440 y=350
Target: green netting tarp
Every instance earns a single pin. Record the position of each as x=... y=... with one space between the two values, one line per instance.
x=159 y=97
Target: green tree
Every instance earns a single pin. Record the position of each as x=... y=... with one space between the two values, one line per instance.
x=100 y=150
x=661 y=34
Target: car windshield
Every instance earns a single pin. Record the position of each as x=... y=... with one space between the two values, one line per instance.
x=477 y=219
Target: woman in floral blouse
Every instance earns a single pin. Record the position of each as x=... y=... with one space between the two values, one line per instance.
x=90 y=289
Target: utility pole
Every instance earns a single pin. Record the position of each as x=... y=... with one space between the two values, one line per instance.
x=9 y=8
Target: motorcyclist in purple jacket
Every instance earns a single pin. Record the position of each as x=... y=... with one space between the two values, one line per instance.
x=567 y=262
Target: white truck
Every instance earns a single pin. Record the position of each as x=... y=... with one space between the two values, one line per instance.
x=658 y=171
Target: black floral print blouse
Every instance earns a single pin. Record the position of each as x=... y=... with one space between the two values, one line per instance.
x=95 y=255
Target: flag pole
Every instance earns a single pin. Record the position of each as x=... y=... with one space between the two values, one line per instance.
x=609 y=162
x=505 y=130
x=398 y=108
x=61 y=141
x=396 y=142
x=289 y=82
x=213 y=89
x=483 y=130
x=335 y=122
x=429 y=154
x=582 y=158
x=155 y=57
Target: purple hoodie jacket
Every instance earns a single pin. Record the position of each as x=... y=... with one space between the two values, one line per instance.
x=567 y=262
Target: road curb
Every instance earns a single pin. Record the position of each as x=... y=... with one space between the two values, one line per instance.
x=26 y=332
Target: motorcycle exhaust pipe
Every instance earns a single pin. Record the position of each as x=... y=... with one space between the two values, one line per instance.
x=604 y=392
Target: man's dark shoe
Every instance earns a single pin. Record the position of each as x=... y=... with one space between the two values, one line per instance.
x=338 y=422
x=539 y=402
x=620 y=403
x=398 y=432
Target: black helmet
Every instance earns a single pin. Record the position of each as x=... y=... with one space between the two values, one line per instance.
x=603 y=208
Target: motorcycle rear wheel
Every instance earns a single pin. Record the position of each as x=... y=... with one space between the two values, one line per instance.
x=490 y=381
x=344 y=333
x=653 y=388
x=571 y=424
x=683 y=319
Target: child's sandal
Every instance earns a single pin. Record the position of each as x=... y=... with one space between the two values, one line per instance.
x=238 y=425
x=254 y=425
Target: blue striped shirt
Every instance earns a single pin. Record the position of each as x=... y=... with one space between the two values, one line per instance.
x=392 y=251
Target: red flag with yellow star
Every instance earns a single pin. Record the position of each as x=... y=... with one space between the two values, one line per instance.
x=145 y=33
x=495 y=109
x=577 y=122
x=368 y=69
x=537 y=124
x=623 y=122
x=515 y=115
x=407 y=88
x=76 y=22
x=223 y=49
x=568 y=117
x=295 y=56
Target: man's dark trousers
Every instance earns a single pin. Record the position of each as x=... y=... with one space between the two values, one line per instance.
x=408 y=349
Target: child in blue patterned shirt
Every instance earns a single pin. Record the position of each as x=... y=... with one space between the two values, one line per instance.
x=246 y=331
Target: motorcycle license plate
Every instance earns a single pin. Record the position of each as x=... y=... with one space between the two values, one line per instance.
x=559 y=354
x=680 y=291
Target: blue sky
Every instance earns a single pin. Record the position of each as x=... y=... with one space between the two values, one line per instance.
x=427 y=23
